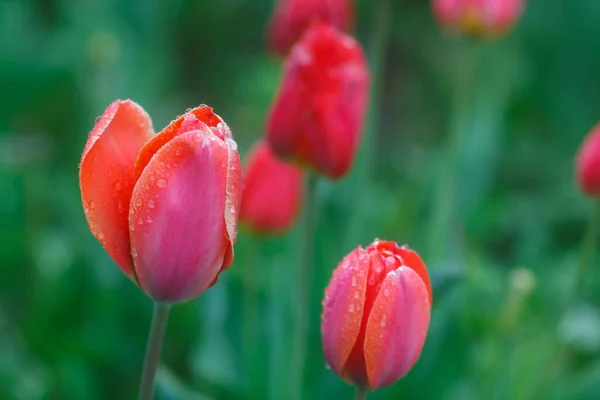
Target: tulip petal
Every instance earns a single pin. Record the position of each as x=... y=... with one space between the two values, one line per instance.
x=414 y=261
x=397 y=327
x=343 y=309
x=179 y=235
x=106 y=177
x=195 y=119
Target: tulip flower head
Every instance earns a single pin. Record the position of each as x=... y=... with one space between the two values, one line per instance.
x=317 y=116
x=272 y=192
x=588 y=164
x=478 y=17
x=376 y=314
x=291 y=18
x=163 y=206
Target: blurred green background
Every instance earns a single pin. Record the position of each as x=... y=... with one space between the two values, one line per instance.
x=506 y=322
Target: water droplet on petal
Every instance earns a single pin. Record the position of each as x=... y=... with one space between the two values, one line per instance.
x=177 y=152
x=353 y=281
x=149 y=219
x=351 y=308
x=134 y=252
x=383 y=321
x=132 y=227
x=151 y=203
x=139 y=202
x=161 y=182
x=118 y=186
x=120 y=207
x=356 y=294
x=98 y=118
x=92 y=204
x=231 y=143
x=140 y=221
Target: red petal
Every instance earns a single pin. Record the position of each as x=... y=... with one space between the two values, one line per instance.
x=414 y=261
x=397 y=327
x=106 y=177
x=180 y=240
x=201 y=116
x=343 y=308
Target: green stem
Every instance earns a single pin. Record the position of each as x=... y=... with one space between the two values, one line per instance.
x=250 y=327
x=441 y=226
x=361 y=393
x=304 y=287
x=588 y=250
x=155 y=341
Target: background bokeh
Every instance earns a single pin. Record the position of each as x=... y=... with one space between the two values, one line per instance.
x=506 y=323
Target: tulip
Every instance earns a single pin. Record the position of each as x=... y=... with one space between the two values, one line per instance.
x=478 y=17
x=291 y=18
x=163 y=206
x=588 y=164
x=272 y=192
x=318 y=114
x=376 y=314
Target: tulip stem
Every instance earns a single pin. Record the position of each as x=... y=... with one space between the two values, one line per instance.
x=304 y=287
x=250 y=328
x=361 y=393
x=155 y=341
x=588 y=249
x=443 y=215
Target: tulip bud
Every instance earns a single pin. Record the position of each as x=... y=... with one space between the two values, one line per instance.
x=272 y=194
x=376 y=314
x=163 y=206
x=318 y=114
x=588 y=164
x=291 y=18
x=478 y=17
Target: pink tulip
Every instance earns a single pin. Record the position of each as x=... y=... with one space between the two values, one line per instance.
x=163 y=206
x=376 y=314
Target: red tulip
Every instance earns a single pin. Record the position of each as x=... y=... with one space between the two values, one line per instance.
x=478 y=17
x=291 y=18
x=272 y=193
x=376 y=314
x=163 y=206
x=588 y=164
x=318 y=114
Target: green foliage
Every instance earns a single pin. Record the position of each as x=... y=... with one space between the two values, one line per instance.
x=504 y=323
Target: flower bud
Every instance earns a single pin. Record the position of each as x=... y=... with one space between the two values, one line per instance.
x=272 y=194
x=478 y=17
x=376 y=314
x=588 y=164
x=164 y=206
x=291 y=18
x=317 y=116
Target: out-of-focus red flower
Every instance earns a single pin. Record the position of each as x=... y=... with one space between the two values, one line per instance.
x=478 y=17
x=291 y=18
x=318 y=114
x=163 y=206
x=588 y=163
x=272 y=194
x=376 y=314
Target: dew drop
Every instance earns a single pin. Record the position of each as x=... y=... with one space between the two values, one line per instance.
x=177 y=152
x=151 y=203
x=156 y=196
x=152 y=178
x=353 y=281
x=187 y=110
x=98 y=118
x=140 y=221
x=161 y=182
x=383 y=321
x=175 y=165
x=100 y=235
x=132 y=227
x=356 y=294
x=120 y=207
x=168 y=174
x=134 y=252
x=92 y=205
x=232 y=144
x=149 y=219
x=386 y=292
x=118 y=186
x=139 y=202
x=351 y=308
